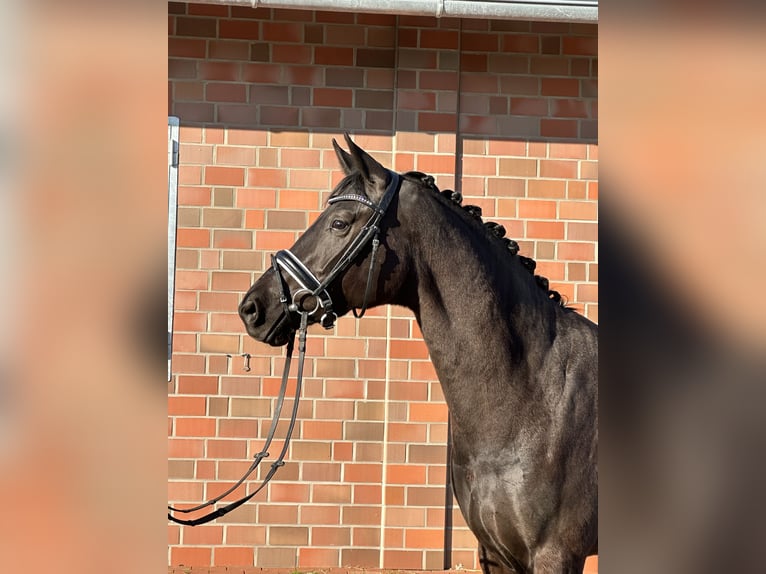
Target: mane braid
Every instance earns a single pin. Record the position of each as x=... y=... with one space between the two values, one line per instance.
x=494 y=230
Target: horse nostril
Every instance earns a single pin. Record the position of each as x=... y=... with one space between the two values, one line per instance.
x=251 y=312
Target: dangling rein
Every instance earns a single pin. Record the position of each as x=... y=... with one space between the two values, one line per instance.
x=264 y=453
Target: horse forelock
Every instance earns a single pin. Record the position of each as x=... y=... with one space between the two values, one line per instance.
x=352 y=183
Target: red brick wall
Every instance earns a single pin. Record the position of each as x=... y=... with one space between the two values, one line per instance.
x=505 y=111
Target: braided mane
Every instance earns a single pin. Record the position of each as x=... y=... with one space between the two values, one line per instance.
x=494 y=230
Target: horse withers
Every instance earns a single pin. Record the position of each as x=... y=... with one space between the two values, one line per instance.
x=518 y=368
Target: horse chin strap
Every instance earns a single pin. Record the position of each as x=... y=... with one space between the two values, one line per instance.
x=307 y=300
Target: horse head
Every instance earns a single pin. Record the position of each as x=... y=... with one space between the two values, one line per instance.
x=345 y=260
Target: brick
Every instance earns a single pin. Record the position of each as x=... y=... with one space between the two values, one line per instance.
x=438 y=81
x=425 y=496
x=567 y=150
x=288 y=220
x=303 y=75
x=226 y=239
x=536 y=209
x=186 y=47
x=266 y=177
x=333 y=97
x=569 y=108
x=317 y=557
x=239 y=29
x=234 y=556
x=216 y=175
x=183 y=321
x=331 y=493
x=264 y=73
x=582 y=231
x=345 y=35
x=479 y=83
x=273 y=240
x=478 y=42
x=424 y=538
x=218 y=343
x=222 y=218
x=188 y=91
x=560 y=87
x=364 y=431
x=184 y=343
x=558 y=128
x=576 y=251
x=479 y=124
x=195 y=427
x=235 y=155
x=361 y=515
x=225 y=92
x=416 y=100
x=291 y=54
x=189 y=217
x=193 y=238
x=529 y=106
x=191 y=280
x=438 y=39
x=580 y=46
x=436 y=122
x=288 y=492
x=330 y=536
x=545 y=230
x=310 y=179
x=428 y=412
x=189 y=26
x=558 y=169
x=517 y=167
x=521 y=43
x=510 y=66
x=288 y=535
x=277 y=557
x=223 y=197
x=195 y=556
x=320 y=472
x=218 y=301
x=375 y=57
x=546 y=188
x=320 y=117
x=583 y=210
x=279 y=116
x=279 y=95
x=194 y=112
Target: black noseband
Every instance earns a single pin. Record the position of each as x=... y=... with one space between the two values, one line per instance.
x=311 y=289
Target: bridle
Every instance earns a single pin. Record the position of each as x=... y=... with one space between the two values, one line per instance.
x=293 y=310
x=310 y=287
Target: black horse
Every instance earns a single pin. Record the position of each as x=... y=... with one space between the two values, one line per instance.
x=518 y=368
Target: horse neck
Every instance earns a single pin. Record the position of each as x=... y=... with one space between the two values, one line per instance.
x=485 y=321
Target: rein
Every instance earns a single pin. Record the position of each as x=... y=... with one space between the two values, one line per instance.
x=264 y=453
x=293 y=308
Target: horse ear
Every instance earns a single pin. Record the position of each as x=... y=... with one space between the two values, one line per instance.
x=370 y=169
x=344 y=158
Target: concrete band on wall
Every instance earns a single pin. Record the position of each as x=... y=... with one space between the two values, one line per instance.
x=542 y=10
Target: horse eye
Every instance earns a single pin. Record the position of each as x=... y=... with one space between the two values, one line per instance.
x=339 y=225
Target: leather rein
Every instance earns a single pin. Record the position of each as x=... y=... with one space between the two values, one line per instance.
x=293 y=310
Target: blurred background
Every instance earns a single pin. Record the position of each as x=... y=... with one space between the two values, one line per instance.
x=82 y=218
